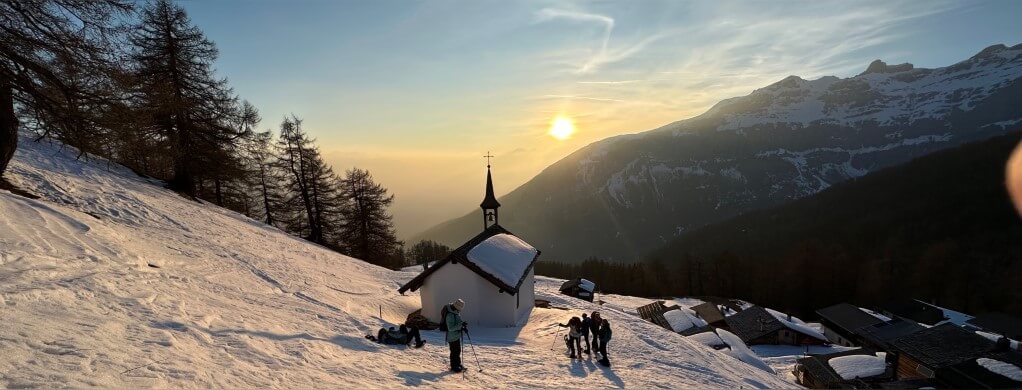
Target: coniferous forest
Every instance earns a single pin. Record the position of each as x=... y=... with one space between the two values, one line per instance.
x=940 y=228
x=136 y=83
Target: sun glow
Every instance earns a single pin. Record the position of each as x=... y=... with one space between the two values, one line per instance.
x=562 y=128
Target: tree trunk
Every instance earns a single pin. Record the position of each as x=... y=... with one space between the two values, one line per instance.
x=266 y=194
x=8 y=125
x=219 y=192
x=183 y=180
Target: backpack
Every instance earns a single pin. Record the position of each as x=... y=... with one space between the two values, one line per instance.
x=443 y=318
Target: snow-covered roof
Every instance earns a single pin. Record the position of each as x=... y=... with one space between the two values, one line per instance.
x=796 y=324
x=678 y=320
x=741 y=351
x=495 y=254
x=504 y=256
x=1005 y=369
x=859 y=366
x=587 y=285
x=1014 y=344
x=758 y=321
x=879 y=316
x=709 y=339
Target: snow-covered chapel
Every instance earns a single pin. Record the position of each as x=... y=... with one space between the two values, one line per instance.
x=493 y=272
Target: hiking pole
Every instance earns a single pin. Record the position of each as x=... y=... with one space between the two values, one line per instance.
x=556 y=337
x=473 y=346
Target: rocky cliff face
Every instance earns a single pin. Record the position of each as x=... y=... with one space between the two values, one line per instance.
x=621 y=197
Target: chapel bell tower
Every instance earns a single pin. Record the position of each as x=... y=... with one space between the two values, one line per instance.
x=490 y=204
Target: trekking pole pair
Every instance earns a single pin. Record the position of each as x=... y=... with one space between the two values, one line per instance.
x=472 y=345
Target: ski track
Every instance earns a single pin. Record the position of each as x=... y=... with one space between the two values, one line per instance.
x=109 y=280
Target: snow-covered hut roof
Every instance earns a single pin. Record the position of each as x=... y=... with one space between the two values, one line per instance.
x=859 y=366
x=998 y=370
x=757 y=321
x=495 y=254
x=705 y=335
x=587 y=285
x=679 y=320
x=581 y=283
x=831 y=370
x=504 y=256
x=1004 y=369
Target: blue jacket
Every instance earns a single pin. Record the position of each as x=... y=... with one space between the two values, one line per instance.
x=586 y=323
x=454 y=324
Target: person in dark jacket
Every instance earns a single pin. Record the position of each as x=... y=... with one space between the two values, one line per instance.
x=455 y=327
x=594 y=326
x=586 y=323
x=574 y=334
x=604 y=335
x=403 y=336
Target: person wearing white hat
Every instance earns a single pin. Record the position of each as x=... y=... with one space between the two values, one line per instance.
x=455 y=327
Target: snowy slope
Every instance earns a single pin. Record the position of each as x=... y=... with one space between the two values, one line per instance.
x=109 y=280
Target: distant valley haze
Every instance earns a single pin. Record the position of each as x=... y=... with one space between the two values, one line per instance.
x=418 y=92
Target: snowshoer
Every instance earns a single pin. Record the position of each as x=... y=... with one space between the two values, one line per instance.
x=594 y=327
x=455 y=327
x=604 y=335
x=586 y=323
x=574 y=326
x=403 y=336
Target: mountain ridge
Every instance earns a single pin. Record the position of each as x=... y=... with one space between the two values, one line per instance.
x=623 y=196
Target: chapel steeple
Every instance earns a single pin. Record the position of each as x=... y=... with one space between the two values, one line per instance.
x=490 y=204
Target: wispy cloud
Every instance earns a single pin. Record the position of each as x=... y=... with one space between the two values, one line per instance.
x=604 y=54
x=547 y=14
x=730 y=51
x=610 y=82
x=579 y=97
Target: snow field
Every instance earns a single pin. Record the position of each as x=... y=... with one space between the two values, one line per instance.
x=110 y=280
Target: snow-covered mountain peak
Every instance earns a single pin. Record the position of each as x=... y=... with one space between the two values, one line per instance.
x=884 y=94
x=878 y=66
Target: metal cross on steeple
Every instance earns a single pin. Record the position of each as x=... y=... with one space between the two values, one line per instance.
x=490 y=203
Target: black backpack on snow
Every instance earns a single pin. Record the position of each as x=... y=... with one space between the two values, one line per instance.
x=443 y=318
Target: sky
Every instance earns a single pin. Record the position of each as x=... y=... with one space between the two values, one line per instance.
x=418 y=91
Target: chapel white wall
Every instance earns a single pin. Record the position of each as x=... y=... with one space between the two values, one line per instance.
x=485 y=305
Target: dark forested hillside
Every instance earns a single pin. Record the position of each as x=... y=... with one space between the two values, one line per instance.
x=940 y=228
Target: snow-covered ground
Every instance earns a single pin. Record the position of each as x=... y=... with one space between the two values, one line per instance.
x=110 y=280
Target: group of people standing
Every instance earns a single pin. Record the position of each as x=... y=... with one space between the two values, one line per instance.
x=579 y=329
x=455 y=328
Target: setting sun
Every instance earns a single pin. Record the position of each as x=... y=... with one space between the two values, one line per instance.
x=562 y=128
